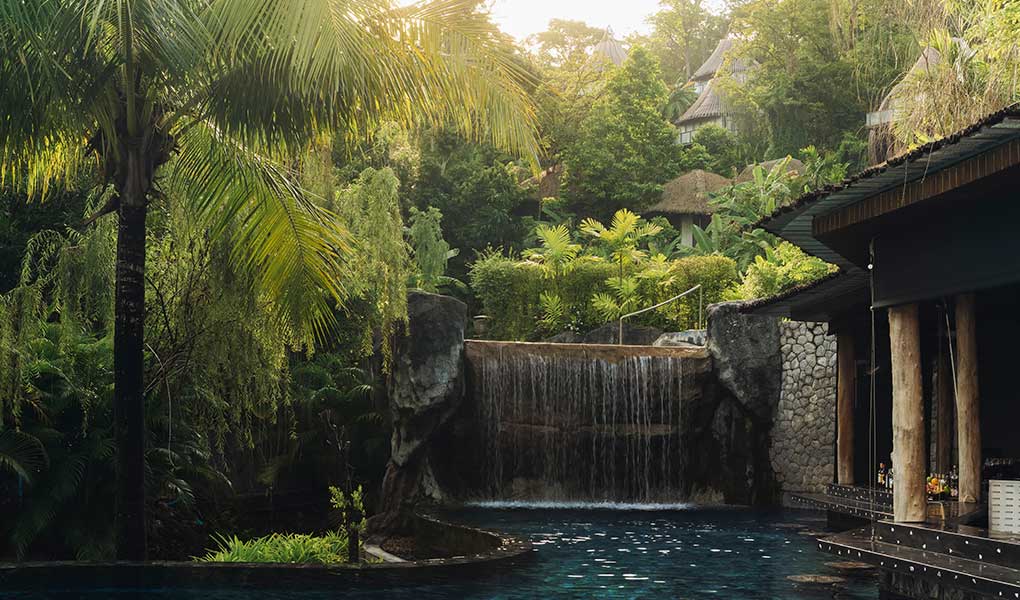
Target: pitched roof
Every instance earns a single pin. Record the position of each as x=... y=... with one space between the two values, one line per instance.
x=688 y=194
x=715 y=62
x=793 y=166
x=708 y=105
x=610 y=48
x=793 y=222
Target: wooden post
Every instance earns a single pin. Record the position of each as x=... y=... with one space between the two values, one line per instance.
x=945 y=400
x=845 y=388
x=968 y=416
x=910 y=504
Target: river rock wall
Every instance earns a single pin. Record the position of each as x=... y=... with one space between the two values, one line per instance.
x=804 y=426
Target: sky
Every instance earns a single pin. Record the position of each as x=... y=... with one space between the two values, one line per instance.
x=521 y=18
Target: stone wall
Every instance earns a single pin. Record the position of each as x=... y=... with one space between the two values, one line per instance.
x=804 y=425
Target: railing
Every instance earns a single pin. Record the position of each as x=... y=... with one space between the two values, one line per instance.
x=701 y=304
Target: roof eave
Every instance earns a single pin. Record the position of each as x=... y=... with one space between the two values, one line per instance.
x=794 y=222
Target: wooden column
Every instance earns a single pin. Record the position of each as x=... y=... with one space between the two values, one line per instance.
x=945 y=400
x=968 y=417
x=845 y=388
x=910 y=504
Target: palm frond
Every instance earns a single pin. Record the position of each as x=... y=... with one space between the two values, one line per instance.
x=294 y=67
x=297 y=252
x=22 y=454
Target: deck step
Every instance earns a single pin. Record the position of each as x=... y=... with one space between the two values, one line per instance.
x=978 y=576
x=956 y=541
x=847 y=506
x=861 y=494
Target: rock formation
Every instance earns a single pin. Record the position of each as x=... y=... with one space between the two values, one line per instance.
x=730 y=429
x=425 y=389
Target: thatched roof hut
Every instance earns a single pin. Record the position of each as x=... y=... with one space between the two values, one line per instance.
x=793 y=167
x=881 y=141
x=715 y=62
x=688 y=194
x=610 y=49
x=709 y=105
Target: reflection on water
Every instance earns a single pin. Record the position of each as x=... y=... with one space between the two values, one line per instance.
x=596 y=553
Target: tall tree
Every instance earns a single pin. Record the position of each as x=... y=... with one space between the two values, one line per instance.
x=684 y=34
x=819 y=68
x=566 y=42
x=626 y=150
x=216 y=99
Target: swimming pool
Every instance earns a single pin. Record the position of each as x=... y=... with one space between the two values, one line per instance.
x=688 y=553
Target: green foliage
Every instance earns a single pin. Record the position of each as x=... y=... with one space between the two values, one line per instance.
x=781 y=268
x=566 y=42
x=556 y=249
x=20 y=220
x=625 y=150
x=736 y=208
x=22 y=454
x=349 y=506
x=334 y=428
x=292 y=548
x=371 y=210
x=284 y=548
x=695 y=156
x=430 y=251
x=681 y=97
x=475 y=187
x=570 y=82
x=566 y=285
x=819 y=70
x=620 y=240
x=510 y=291
x=216 y=382
x=726 y=156
x=684 y=34
x=768 y=266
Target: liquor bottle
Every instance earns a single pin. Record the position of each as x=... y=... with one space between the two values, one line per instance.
x=890 y=479
x=954 y=484
x=881 y=475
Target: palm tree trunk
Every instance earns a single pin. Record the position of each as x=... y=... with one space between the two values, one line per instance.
x=128 y=363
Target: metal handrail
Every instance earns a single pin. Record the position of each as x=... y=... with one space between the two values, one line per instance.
x=701 y=303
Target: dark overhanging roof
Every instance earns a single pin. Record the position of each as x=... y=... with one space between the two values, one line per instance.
x=793 y=222
x=821 y=300
x=825 y=298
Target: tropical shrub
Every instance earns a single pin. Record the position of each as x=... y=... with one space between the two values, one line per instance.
x=782 y=267
x=576 y=282
x=293 y=548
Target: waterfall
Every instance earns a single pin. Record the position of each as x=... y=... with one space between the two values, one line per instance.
x=573 y=425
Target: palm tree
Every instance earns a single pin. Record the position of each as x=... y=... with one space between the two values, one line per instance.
x=621 y=238
x=557 y=250
x=217 y=100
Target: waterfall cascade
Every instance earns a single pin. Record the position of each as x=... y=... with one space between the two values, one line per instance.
x=580 y=422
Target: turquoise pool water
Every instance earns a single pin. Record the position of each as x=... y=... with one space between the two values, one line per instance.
x=598 y=553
